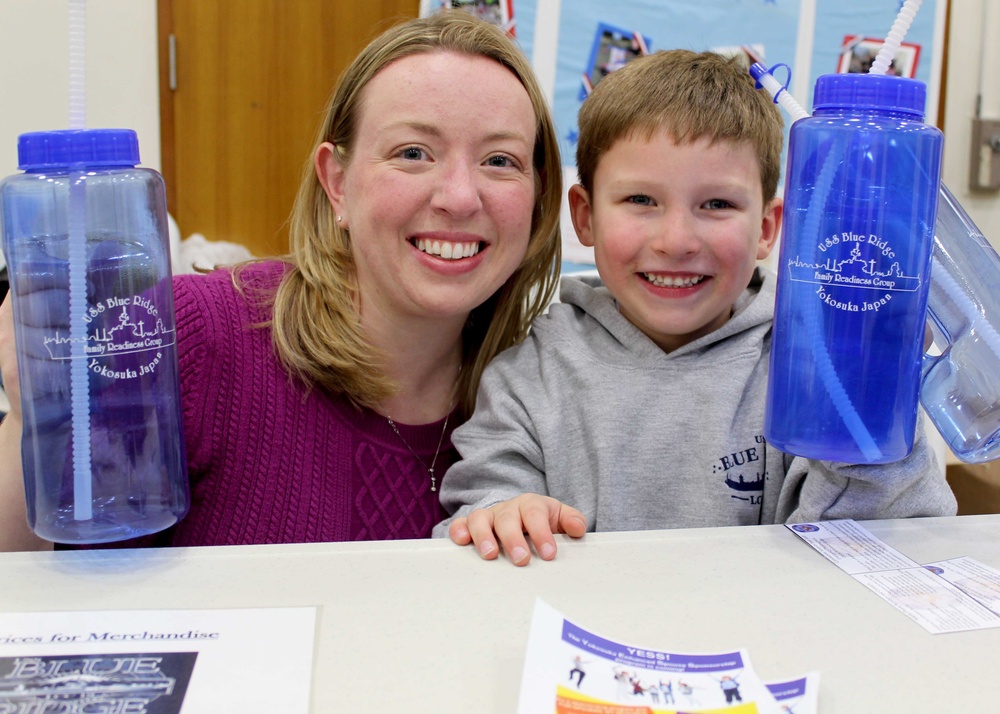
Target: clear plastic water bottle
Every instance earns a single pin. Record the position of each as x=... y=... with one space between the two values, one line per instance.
x=961 y=385
x=85 y=238
x=854 y=271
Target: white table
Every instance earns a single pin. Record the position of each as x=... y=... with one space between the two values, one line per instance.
x=425 y=626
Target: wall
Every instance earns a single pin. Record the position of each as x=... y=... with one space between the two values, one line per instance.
x=973 y=63
x=123 y=90
x=122 y=86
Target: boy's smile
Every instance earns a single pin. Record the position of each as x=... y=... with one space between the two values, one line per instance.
x=677 y=230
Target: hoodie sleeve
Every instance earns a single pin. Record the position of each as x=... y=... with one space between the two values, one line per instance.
x=501 y=455
x=824 y=490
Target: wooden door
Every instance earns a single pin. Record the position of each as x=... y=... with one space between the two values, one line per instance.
x=251 y=81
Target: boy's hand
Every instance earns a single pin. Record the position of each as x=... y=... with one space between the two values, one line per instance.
x=538 y=516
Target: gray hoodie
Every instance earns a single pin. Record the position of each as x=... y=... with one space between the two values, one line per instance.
x=590 y=411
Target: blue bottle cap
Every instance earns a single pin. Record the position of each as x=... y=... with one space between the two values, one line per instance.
x=67 y=148
x=870 y=91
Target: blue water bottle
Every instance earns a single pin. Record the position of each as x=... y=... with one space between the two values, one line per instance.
x=85 y=238
x=861 y=197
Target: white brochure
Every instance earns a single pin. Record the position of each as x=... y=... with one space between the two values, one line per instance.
x=164 y=661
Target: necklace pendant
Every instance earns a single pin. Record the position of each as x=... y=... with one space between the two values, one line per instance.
x=433 y=480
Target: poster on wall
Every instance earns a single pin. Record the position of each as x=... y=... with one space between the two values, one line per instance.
x=498 y=12
x=572 y=45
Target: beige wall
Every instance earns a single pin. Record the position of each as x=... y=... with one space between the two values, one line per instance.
x=973 y=69
x=122 y=86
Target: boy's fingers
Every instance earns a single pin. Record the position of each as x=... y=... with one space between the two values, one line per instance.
x=572 y=522
x=458 y=531
x=480 y=525
x=537 y=515
x=509 y=527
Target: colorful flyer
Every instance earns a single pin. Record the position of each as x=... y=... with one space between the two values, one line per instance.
x=570 y=670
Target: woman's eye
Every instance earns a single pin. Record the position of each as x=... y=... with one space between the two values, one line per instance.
x=412 y=153
x=640 y=200
x=500 y=161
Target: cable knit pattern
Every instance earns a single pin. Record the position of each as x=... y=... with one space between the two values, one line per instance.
x=271 y=463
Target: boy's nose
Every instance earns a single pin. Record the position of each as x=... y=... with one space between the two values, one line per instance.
x=458 y=191
x=676 y=235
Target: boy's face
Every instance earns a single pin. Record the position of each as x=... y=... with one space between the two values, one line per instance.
x=676 y=231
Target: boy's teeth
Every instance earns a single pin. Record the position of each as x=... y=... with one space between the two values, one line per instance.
x=666 y=281
x=448 y=250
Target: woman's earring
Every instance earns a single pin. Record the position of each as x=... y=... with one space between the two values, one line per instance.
x=339 y=219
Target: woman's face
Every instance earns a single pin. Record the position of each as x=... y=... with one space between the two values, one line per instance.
x=439 y=192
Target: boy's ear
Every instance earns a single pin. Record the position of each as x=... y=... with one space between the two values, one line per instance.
x=581 y=212
x=332 y=177
x=770 y=227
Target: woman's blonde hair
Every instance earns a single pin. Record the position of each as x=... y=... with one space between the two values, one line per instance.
x=315 y=322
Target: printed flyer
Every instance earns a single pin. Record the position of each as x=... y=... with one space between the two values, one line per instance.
x=157 y=661
x=570 y=670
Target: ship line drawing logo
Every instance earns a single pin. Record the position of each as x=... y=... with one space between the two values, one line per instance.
x=125 y=337
x=853 y=272
x=99 y=683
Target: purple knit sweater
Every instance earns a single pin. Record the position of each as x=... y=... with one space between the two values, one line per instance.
x=271 y=463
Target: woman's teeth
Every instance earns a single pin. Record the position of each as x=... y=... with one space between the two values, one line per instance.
x=448 y=250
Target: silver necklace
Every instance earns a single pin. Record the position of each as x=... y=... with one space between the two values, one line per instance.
x=430 y=469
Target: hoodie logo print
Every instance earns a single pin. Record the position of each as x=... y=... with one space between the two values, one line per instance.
x=743 y=473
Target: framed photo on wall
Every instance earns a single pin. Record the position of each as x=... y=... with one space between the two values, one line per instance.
x=612 y=48
x=858 y=53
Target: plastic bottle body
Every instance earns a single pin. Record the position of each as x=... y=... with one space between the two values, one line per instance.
x=854 y=271
x=120 y=341
x=961 y=386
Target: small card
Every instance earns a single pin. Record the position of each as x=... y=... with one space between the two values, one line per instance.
x=850 y=547
x=971 y=577
x=921 y=593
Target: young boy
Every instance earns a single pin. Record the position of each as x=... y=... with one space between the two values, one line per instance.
x=638 y=401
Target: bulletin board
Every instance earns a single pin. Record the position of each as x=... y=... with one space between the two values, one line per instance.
x=574 y=43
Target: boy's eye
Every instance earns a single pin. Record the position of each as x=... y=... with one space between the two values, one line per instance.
x=717 y=203
x=640 y=200
x=412 y=153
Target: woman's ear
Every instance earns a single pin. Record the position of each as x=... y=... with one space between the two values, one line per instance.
x=332 y=178
x=581 y=212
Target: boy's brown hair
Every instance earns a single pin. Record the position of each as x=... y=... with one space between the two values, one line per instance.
x=690 y=95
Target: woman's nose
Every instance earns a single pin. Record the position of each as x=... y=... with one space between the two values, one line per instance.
x=458 y=191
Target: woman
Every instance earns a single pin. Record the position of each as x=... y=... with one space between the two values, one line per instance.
x=320 y=391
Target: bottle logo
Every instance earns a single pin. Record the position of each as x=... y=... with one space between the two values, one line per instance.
x=117 y=326
x=873 y=274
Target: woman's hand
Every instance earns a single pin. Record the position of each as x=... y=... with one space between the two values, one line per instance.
x=14 y=531
x=8 y=357
x=537 y=516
